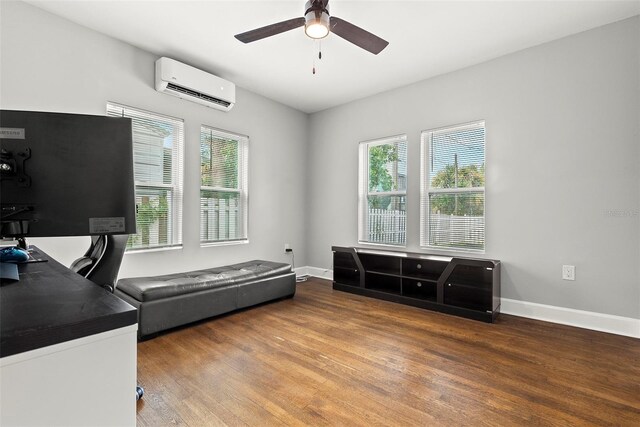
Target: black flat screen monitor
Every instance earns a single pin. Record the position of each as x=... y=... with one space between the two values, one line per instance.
x=65 y=175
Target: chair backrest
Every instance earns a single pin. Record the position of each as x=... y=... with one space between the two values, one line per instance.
x=85 y=263
x=101 y=263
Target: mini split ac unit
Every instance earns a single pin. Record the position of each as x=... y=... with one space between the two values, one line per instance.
x=186 y=82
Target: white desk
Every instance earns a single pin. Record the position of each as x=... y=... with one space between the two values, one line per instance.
x=68 y=351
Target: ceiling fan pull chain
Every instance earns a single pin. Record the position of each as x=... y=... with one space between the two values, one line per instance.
x=319 y=49
x=314 y=59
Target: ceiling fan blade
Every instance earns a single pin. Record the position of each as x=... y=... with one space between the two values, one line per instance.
x=270 y=30
x=357 y=35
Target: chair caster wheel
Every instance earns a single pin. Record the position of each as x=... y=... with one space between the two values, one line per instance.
x=139 y=392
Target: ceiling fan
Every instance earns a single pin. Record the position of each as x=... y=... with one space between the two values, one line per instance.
x=318 y=24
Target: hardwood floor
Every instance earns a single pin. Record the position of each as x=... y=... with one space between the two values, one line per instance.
x=331 y=358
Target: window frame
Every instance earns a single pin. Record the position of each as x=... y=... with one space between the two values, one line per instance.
x=364 y=192
x=426 y=190
x=177 y=177
x=242 y=190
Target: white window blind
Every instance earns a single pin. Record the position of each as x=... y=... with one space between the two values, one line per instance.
x=452 y=188
x=157 y=156
x=223 y=186
x=382 y=194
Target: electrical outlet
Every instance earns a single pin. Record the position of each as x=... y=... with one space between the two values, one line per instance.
x=287 y=247
x=568 y=272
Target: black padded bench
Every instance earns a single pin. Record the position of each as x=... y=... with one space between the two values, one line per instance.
x=164 y=302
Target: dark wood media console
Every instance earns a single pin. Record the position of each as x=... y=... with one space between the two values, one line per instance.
x=467 y=287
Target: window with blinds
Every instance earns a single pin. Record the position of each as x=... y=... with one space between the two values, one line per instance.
x=157 y=156
x=382 y=195
x=452 y=188
x=223 y=186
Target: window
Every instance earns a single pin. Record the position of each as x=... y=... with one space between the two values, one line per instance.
x=452 y=190
x=223 y=186
x=383 y=191
x=157 y=170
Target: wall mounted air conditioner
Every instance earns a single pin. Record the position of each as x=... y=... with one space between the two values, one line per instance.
x=186 y=82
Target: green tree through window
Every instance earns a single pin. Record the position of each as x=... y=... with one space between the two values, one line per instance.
x=458 y=204
x=380 y=179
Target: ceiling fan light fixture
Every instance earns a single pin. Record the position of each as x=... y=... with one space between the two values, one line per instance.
x=316 y=30
x=316 y=19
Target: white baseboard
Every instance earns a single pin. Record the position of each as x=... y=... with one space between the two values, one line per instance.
x=618 y=325
x=322 y=273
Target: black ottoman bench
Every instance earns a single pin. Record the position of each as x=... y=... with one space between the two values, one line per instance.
x=164 y=302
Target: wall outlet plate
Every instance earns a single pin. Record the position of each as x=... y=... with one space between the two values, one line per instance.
x=287 y=247
x=568 y=272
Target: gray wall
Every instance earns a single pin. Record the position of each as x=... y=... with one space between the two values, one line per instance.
x=562 y=151
x=52 y=64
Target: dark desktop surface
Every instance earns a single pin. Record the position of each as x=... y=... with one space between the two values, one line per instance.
x=51 y=304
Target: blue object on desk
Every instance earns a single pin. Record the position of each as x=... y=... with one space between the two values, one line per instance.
x=13 y=254
x=8 y=272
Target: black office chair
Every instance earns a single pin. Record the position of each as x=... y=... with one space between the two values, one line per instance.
x=101 y=264
x=102 y=261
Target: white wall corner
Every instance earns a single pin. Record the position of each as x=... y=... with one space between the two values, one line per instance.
x=618 y=325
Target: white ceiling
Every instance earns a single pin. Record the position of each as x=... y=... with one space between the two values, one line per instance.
x=426 y=38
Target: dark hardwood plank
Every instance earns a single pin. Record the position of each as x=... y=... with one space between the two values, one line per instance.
x=331 y=358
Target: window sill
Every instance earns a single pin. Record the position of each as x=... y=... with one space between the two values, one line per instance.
x=224 y=243
x=385 y=245
x=453 y=250
x=148 y=250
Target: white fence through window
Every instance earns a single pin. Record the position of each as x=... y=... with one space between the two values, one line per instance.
x=456 y=231
x=219 y=219
x=387 y=226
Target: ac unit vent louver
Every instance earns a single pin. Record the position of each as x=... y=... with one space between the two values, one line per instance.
x=171 y=86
